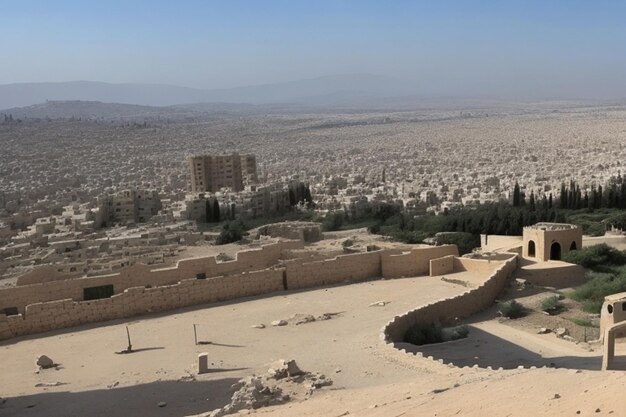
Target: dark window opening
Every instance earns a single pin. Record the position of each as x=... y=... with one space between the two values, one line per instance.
x=97 y=293
x=623 y=306
x=531 y=248
x=11 y=311
x=201 y=275
x=573 y=246
x=609 y=309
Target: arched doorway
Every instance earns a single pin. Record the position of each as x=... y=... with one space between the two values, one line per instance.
x=555 y=251
x=573 y=246
x=531 y=248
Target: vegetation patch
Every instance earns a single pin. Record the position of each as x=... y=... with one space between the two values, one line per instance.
x=423 y=334
x=551 y=305
x=607 y=275
x=511 y=309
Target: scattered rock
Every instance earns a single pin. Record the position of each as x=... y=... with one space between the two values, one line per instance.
x=284 y=368
x=279 y=323
x=544 y=330
x=320 y=380
x=556 y=396
x=45 y=362
x=162 y=404
x=439 y=390
x=569 y=338
x=560 y=332
x=251 y=393
x=379 y=303
x=303 y=318
x=113 y=385
x=258 y=326
x=49 y=384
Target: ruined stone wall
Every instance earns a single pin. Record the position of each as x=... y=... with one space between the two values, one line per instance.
x=141 y=275
x=440 y=266
x=415 y=262
x=463 y=305
x=139 y=290
x=344 y=268
x=40 y=317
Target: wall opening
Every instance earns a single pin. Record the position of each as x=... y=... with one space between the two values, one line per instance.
x=10 y=311
x=201 y=275
x=96 y=293
x=531 y=248
x=555 y=251
x=285 y=287
x=573 y=246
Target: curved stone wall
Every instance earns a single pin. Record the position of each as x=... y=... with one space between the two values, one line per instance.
x=462 y=305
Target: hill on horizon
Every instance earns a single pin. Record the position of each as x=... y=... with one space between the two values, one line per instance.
x=314 y=90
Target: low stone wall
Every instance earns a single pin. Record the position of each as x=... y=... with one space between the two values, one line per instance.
x=565 y=276
x=460 y=306
x=139 y=290
x=415 y=262
x=40 y=317
x=442 y=266
x=142 y=275
x=344 y=268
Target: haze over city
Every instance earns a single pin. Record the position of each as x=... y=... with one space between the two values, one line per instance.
x=525 y=49
x=312 y=208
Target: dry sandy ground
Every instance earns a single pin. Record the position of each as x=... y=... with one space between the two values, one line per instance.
x=370 y=378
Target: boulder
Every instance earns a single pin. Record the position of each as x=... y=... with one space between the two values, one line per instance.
x=283 y=368
x=279 y=323
x=44 y=362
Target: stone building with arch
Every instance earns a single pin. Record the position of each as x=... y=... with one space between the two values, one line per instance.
x=551 y=241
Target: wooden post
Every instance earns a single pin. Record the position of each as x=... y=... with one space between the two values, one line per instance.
x=130 y=346
x=195 y=335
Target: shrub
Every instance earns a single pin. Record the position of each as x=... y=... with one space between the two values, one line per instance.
x=592 y=293
x=347 y=243
x=333 y=221
x=231 y=232
x=464 y=241
x=596 y=257
x=511 y=309
x=551 y=304
x=423 y=334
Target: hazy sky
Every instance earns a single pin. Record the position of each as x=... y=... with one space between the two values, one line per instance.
x=543 y=48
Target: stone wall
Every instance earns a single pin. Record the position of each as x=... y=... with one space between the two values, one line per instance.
x=139 y=289
x=463 y=305
x=415 y=262
x=40 y=317
x=442 y=266
x=142 y=275
x=344 y=268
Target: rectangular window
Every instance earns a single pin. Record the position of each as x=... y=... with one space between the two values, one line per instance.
x=11 y=311
x=97 y=293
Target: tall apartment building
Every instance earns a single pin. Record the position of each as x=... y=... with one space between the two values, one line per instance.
x=210 y=173
x=128 y=206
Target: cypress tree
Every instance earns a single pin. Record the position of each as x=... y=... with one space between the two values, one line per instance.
x=516 y=195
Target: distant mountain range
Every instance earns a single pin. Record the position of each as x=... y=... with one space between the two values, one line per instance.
x=322 y=90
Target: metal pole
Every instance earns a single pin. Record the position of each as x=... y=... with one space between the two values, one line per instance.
x=195 y=335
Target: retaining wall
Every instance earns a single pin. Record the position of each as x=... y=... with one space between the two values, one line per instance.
x=142 y=275
x=350 y=268
x=415 y=262
x=139 y=289
x=40 y=317
x=460 y=306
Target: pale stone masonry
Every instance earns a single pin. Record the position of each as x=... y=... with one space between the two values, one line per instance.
x=211 y=173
